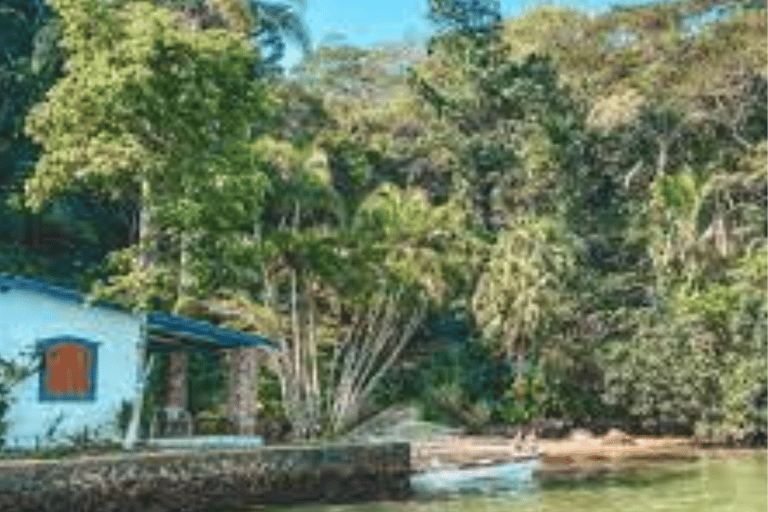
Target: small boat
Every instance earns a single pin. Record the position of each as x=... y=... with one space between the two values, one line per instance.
x=512 y=476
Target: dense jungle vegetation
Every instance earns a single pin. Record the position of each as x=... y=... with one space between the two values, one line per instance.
x=551 y=216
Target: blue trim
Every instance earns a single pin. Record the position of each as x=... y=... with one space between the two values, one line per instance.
x=8 y=282
x=91 y=346
x=163 y=322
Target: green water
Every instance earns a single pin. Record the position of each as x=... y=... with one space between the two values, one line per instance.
x=709 y=485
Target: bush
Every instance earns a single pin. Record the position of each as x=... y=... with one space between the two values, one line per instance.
x=11 y=373
x=269 y=396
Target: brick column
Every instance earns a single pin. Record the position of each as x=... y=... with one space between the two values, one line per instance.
x=241 y=399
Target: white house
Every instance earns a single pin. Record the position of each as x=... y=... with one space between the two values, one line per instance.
x=89 y=359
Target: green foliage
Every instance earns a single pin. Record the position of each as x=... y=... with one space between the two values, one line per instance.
x=59 y=242
x=11 y=373
x=207 y=382
x=662 y=372
x=425 y=245
x=29 y=63
x=154 y=390
x=590 y=191
x=744 y=386
x=141 y=96
x=158 y=113
x=465 y=16
x=523 y=400
x=523 y=287
x=268 y=392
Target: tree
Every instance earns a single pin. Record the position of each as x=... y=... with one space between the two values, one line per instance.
x=465 y=15
x=506 y=121
x=151 y=110
x=278 y=21
x=371 y=346
x=580 y=185
x=671 y=192
x=524 y=287
x=27 y=67
x=328 y=267
x=562 y=119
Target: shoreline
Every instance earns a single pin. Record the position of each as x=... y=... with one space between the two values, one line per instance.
x=460 y=451
x=580 y=451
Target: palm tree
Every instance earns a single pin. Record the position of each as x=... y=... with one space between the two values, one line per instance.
x=278 y=22
x=522 y=285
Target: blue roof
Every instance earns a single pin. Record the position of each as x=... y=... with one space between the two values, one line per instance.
x=203 y=332
x=184 y=330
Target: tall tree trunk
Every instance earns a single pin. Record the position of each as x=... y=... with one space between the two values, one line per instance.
x=176 y=385
x=361 y=361
x=520 y=363
x=176 y=378
x=313 y=358
x=186 y=283
x=295 y=330
x=146 y=257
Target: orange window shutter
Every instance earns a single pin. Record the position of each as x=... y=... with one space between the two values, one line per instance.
x=68 y=369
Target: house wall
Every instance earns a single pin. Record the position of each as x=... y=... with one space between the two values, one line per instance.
x=27 y=317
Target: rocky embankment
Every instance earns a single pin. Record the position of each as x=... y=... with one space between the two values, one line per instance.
x=192 y=481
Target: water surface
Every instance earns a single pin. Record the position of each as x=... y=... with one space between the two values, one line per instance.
x=738 y=484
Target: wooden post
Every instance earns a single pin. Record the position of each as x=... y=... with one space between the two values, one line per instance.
x=132 y=433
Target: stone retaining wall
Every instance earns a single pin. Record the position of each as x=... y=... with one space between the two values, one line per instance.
x=206 y=481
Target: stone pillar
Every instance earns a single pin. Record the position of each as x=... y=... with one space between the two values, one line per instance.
x=176 y=387
x=241 y=398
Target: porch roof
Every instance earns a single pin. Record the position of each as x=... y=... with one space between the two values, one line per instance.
x=166 y=332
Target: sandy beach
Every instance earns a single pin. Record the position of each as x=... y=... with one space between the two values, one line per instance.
x=580 y=451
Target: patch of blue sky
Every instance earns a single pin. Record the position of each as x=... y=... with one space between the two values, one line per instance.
x=374 y=22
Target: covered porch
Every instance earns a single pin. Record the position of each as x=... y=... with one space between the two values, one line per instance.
x=172 y=423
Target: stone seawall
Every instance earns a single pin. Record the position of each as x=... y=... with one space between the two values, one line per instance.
x=206 y=481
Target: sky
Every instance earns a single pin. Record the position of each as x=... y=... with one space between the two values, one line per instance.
x=365 y=22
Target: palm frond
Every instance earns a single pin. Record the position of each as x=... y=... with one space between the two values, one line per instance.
x=283 y=20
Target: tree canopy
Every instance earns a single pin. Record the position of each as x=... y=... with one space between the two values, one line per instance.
x=581 y=199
